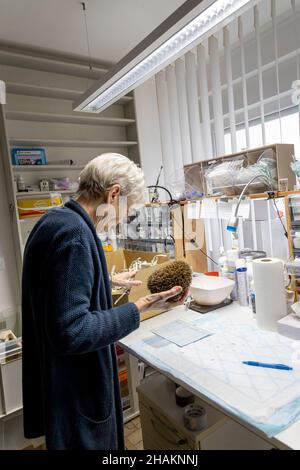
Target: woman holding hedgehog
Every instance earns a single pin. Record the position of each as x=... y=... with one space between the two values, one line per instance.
x=70 y=376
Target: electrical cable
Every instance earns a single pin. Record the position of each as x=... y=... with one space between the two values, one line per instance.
x=156 y=184
x=172 y=201
x=184 y=235
x=87 y=37
x=279 y=216
x=271 y=195
x=183 y=231
x=193 y=241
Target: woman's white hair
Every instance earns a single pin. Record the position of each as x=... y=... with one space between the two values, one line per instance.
x=108 y=169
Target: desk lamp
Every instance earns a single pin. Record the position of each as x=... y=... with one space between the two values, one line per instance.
x=232 y=225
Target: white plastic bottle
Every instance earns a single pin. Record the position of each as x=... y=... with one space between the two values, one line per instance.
x=252 y=301
x=249 y=266
x=21 y=183
x=222 y=262
x=242 y=282
x=232 y=257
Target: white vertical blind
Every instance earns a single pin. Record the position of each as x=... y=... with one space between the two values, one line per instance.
x=204 y=100
x=244 y=81
x=183 y=111
x=270 y=228
x=216 y=94
x=275 y=40
x=193 y=105
x=297 y=36
x=165 y=126
x=230 y=93
x=254 y=234
x=174 y=120
x=260 y=77
x=229 y=81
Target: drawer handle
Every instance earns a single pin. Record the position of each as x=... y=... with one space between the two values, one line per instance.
x=180 y=442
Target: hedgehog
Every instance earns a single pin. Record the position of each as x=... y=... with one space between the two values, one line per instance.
x=176 y=273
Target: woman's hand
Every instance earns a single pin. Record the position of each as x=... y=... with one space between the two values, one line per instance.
x=163 y=300
x=125 y=279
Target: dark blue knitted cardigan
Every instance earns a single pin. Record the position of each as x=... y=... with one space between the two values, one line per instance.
x=70 y=378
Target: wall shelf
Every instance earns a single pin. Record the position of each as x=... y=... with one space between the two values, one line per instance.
x=75 y=118
x=72 y=143
x=21 y=168
x=51 y=92
x=43 y=193
x=47 y=63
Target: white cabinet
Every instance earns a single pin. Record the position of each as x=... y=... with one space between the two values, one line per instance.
x=10 y=376
x=163 y=428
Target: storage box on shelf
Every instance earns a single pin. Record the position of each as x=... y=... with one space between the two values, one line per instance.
x=163 y=427
x=234 y=175
x=10 y=376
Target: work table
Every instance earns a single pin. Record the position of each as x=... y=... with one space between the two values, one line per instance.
x=287 y=439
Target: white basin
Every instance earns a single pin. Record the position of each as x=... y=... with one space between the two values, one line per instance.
x=210 y=290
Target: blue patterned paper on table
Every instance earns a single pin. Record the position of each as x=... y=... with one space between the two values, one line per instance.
x=267 y=398
x=181 y=333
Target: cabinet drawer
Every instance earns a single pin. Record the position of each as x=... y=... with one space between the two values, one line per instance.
x=159 y=432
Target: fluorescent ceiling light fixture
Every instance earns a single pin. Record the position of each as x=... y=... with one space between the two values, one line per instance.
x=140 y=64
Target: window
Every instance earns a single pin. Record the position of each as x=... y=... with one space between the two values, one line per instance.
x=288 y=134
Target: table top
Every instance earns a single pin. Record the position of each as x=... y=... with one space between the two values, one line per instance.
x=289 y=438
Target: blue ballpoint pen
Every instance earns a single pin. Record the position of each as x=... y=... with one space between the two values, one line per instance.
x=267 y=366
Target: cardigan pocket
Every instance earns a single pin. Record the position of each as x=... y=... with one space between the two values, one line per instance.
x=93 y=435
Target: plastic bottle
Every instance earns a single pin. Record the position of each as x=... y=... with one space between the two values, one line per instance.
x=242 y=283
x=232 y=257
x=249 y=265
x=252 y=300
x=21 y=183
x=222 y=262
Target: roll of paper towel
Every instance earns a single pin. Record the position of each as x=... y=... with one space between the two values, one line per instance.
x=268 y=276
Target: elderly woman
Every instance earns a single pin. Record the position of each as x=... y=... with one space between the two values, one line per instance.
x=70 y=377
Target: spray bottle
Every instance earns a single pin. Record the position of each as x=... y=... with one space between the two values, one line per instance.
x=242 y=282
x=249 y=265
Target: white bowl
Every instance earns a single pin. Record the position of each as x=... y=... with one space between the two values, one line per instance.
x=210 y=290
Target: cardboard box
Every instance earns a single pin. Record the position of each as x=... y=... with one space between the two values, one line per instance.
x=142 y=291
x=122 y=259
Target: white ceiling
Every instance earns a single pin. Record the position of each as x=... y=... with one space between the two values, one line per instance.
x=115 y=26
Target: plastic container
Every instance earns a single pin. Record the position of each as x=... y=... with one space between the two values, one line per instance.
x=209 y=290
x=252 y=299
x=33 y=206
x=21 y=183
x=232 y=257
x=242 y=286
x=222 y=262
